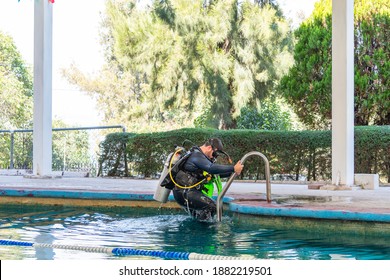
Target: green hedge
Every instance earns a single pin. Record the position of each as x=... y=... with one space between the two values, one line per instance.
x=296 y=153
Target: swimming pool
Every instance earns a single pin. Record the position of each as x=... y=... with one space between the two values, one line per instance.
x=170 y=230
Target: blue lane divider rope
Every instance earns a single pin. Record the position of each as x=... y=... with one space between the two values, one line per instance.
x=152 y=253
x=15 y=243
x=126 y=251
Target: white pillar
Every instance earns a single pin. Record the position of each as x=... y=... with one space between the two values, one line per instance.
x=342 y=92
x=42 y=135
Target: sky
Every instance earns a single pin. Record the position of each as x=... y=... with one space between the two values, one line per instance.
x=76 y=40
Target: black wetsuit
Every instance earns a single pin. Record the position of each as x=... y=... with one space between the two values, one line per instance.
x=193 y=200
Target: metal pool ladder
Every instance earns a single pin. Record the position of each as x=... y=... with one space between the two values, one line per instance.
x=229 y=182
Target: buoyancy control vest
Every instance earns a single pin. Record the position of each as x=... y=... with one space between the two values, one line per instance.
x=180 y=176
x=177 y=176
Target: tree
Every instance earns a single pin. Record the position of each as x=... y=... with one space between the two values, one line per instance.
x=16 y=107
x=268 y=117
x=70 y=148
x=307 y=86
x=372 y=62
x=16 y=101
x=180 y=59
x=16 y=91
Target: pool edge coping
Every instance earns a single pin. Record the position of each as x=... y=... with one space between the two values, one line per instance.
x=278 y=211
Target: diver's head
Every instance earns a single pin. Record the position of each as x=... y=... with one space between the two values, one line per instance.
x=211 y=147
x=216 y=145
x=214 y=148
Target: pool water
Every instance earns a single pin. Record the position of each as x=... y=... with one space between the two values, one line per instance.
x=169 y=230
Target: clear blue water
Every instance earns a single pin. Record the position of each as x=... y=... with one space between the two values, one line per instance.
x=154 y=229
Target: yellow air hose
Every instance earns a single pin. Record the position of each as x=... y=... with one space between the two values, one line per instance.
x=170 y=174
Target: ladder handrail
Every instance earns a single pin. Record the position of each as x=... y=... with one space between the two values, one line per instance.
x=229 y=182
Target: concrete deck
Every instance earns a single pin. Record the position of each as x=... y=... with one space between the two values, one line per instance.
x=248 y=198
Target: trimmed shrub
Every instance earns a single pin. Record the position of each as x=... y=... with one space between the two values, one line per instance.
x=295 y=153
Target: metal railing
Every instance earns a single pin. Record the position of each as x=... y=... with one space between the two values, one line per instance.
x=13 y=132
x=233 y=176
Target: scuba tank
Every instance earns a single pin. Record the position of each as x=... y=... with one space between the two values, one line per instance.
x=161 y=194
x=163 y=189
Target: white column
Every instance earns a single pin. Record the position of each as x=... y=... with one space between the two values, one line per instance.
x=342 y=92
x=42 y=135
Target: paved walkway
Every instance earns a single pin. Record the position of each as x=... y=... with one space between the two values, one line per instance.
x=288 y=200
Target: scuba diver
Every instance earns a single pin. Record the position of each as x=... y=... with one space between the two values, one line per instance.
x=195 y=179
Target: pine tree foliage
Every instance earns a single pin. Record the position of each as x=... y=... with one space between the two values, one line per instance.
x=174 y=60
x=15 y=87
x=307 y=87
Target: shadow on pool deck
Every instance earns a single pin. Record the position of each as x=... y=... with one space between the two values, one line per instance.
x=288 y=200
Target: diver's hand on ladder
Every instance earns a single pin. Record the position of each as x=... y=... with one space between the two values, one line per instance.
x=238 y=167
